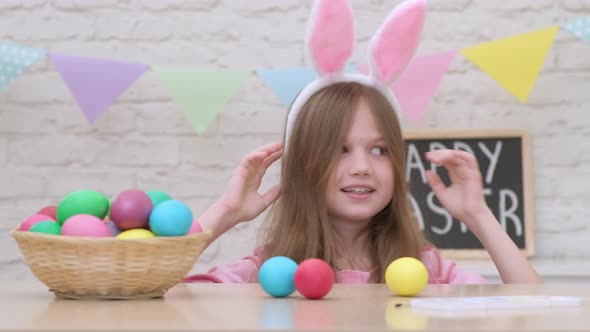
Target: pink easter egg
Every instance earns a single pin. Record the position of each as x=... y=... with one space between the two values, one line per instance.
x=85 y=225
x=33 y=219
x=131 y=209
x=50 y=210
x=195 y=227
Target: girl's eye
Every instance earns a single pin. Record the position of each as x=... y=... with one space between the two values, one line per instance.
x=378 y=151
x=344 y=149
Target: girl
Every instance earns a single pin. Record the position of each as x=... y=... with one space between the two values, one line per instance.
x=342 y=196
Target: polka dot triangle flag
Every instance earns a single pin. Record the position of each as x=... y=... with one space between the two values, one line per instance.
x=14 y=60
x=579 y=28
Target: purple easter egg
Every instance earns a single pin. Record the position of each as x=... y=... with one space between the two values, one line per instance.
x=113 y=228
x=131 y=209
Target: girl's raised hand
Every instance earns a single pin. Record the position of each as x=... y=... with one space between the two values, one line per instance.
x=463 y=199
x=241 y=198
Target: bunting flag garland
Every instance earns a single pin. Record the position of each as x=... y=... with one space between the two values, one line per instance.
x=15 y=60
x=579 y=28
x=96 y=83
x=514 y=62
x=201 y=92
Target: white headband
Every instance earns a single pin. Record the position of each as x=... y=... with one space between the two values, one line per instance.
x=330 y=42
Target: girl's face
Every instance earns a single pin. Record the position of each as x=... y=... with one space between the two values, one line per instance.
x=361 y=184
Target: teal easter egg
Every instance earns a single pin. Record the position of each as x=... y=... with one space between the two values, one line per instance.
x=82 y=202
x=47 y=227
x=171 y=218
x=158 y=196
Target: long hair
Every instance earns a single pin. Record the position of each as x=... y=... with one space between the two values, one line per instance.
x=298 y=225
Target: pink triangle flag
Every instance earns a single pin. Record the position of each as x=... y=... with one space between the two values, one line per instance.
x=417 y=85
x=96 y=83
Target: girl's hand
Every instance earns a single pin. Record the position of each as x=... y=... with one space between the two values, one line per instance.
x=463 y=199
x=241 y=200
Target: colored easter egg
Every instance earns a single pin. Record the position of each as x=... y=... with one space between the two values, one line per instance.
x=276 y=276
x=47 y=227
x=113 y=228
x=50 y=210
x=32 y=220
x=131 y=209
x=406 y=276
x=314 y=278
x=137 y=233
x=171 y=218
x=85 y=225
x=82 y=202
x=158 y=196
x=195 y=227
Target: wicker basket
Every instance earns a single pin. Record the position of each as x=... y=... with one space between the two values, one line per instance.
x=109 y=268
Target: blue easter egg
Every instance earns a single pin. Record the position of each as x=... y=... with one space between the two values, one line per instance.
x=171 y=218
x=276 y=276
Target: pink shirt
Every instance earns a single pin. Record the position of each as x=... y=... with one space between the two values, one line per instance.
x=440 y=271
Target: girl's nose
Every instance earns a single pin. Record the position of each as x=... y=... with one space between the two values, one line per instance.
x=361 y=164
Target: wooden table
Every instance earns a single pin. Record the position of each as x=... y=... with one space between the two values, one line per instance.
x=241 y=307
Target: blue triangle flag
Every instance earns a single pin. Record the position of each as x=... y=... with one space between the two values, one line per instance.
x=286 y=83
x=579 y=28
x=14 y=60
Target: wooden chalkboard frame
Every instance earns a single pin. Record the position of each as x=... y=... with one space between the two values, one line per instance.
x=527 y=179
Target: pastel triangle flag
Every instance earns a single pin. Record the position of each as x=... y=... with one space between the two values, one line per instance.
x=416 y=87
x=286 y=83
x=15 y=60
x=96 y=83
x=514 y=62
x=579 y=28
x=201 y=92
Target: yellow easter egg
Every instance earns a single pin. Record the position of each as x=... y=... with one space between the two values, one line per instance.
x=136 y=233
x=406 y=276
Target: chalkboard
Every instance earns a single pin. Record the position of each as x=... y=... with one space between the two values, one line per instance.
x=504 y=158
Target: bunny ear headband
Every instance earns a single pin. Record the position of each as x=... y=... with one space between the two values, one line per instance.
x=330 y=42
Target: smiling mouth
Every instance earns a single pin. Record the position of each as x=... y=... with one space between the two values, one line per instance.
x=358 y=190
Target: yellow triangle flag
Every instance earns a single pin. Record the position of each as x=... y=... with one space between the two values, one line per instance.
x=514 y=62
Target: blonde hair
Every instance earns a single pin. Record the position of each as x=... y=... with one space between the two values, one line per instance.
x=298 y=224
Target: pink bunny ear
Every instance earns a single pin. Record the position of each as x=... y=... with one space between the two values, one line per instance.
x=330 y=37
x=394 y=45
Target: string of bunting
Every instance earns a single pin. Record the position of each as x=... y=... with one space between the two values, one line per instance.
x=201 y=92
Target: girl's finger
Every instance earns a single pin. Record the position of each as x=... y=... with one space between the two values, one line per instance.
x=458 y=163
x=251 y=161
x=267 y=162
x=469 y=159
x=270 y=148
x=435 y=183
x=442 y=156
x=272 y=158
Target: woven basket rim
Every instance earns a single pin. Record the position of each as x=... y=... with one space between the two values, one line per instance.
x=15 y=232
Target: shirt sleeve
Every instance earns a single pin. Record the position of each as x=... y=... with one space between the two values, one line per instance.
x=242 y=271
x=444 y=271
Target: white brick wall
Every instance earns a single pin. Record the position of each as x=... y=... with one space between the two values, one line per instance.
x=47 y=148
